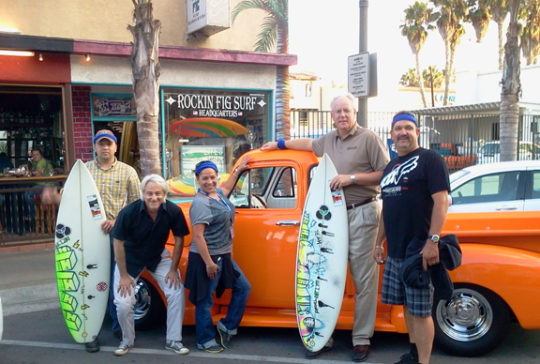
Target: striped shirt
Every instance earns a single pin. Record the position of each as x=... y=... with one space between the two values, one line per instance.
x=118 y=186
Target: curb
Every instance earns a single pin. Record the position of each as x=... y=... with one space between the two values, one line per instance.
x=29 y=299
x=10 y=248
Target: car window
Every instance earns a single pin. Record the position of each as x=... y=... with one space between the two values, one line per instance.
x=286 y=184
x=266 y=188
x=250 y=188
x=490 y=148
x=535 y=193
x=489 y=188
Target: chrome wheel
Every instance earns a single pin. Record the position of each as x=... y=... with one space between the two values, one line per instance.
x=143 y=300
x=473 y=322
x=467 y=316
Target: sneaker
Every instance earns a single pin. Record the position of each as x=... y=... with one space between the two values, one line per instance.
x=214 y=349
x=93 y=346
x=122 y=350
x=177 y=347
x=224 y=338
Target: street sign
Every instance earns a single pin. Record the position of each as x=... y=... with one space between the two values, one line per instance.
x=359 y=74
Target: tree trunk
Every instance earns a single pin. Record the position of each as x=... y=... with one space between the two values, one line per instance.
x=145 y=68
x=283 y=113
x=420 y=79
x=448 y=71
x=510 y=89
x=500 y=27
x=283 y=92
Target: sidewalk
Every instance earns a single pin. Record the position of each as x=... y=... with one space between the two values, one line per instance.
x=27 y=280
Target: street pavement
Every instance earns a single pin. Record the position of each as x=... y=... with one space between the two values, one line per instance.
x=27 y=280
x=34 y=331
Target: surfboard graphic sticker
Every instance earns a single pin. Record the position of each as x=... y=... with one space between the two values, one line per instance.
x=321 y=261
x=95 y=209
x=82 y=256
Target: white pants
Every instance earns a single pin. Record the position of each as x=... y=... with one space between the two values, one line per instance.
x=175 y=303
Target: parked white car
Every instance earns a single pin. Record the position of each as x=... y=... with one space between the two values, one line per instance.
x=504 y=186
x=491 y=152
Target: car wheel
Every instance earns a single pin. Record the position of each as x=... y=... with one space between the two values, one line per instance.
x=473 y=322
x=149 y=310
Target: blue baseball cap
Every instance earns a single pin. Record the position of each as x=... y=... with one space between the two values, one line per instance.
x=106 y=136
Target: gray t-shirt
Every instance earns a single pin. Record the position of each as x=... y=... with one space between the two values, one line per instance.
x=218 y=216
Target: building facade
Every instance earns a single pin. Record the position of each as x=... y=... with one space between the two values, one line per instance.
x=216 y=95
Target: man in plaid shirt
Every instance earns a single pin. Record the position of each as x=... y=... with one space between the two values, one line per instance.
x=118 y=185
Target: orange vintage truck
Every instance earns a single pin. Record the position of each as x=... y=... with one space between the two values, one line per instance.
x=498 y=281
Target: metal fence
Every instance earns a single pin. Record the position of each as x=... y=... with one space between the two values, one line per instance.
x=463 y=139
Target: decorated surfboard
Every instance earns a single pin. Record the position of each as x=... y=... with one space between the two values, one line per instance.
x=82 y=256
x=321 y=258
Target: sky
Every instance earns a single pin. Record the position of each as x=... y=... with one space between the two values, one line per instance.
x=323 y=33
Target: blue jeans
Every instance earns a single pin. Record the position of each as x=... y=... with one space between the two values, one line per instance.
x=204 y=327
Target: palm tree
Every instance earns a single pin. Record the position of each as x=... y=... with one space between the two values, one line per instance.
x=433 y=75
x=410 y=78
x=274 y=31
x=528 y=32
x=479 y=16
x=418 y=19
x=499 y=10
x=449 y=17
x=145 y=68
x=530 y=37
x=511 y=87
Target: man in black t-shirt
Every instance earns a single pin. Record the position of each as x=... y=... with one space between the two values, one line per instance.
x=414 y=188
x=140 y=233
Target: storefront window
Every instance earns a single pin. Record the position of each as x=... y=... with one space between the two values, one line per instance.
x=32 y=157
x=217 y=125
x=31 y=118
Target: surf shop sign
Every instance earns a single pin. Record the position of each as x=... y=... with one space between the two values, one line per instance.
x=218 y=105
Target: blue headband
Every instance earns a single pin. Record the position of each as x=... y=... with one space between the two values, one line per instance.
x=205 y=165
x=104 y=135
x=404 y=116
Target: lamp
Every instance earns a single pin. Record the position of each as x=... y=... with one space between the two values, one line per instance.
x=40 y=57
x=87 y=57
x=9 y=52
x=9 y=30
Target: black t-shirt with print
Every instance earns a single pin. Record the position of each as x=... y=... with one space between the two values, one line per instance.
x=407 y=185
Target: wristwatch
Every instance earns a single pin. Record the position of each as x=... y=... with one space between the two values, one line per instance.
x=353 y=178
x=435 y=238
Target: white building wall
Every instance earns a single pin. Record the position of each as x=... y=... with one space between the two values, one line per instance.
x=116 y=70
x=479 y=87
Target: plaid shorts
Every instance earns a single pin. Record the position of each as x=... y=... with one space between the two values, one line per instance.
x=419 y=301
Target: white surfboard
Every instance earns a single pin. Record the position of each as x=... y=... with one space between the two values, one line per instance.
x=321 y=259
x=82 y=256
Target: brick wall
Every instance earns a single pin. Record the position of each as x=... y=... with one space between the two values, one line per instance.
x=82 y=125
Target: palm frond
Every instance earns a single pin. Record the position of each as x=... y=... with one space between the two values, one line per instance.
x=266 y=38
x=249 y=4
